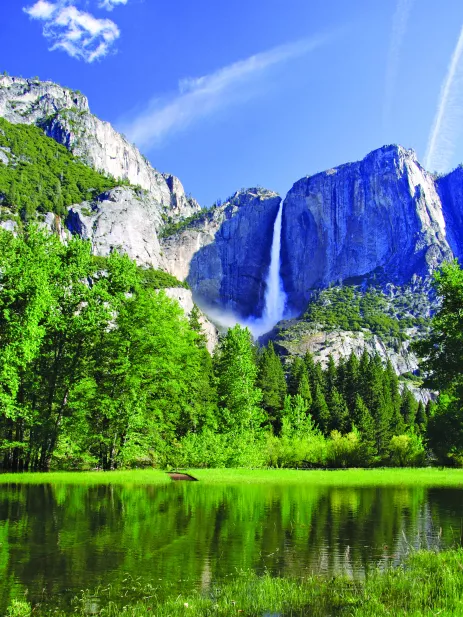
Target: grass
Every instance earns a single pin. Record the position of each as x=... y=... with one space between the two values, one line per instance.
x=428 y=584
x=129 y=476
x=346 y=477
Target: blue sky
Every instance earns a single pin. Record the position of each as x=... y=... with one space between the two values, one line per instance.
x=253 y=92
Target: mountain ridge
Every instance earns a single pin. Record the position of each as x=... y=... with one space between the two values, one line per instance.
x=381 y=220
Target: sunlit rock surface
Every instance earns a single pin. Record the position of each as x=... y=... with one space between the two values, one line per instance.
x=225 y=254
x=381 y=214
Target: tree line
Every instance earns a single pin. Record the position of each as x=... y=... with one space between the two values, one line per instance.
x=99 y=368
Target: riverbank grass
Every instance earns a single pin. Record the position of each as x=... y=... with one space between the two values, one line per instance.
x=428 y=476
x=349 y=477
x=428 y=584
x=126 y=476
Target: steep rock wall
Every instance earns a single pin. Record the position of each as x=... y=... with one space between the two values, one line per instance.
x=450 y=189
x=381 y=214
x=65 y=116
x=225 y=255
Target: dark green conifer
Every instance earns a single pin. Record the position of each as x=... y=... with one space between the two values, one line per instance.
x=295 y=375
x=319 y=410
x=271 y=380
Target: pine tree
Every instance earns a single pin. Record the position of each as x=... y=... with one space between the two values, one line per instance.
x=366 y=427
x=320 y=411
x=314 y=371
x=339 y=413
x=303 y=389
x=331 y=376
x=408 y=408
x=196 y=326
x=239 y=398
x=350 y=382
x=296 y=372
x=271 y=380
x=421 y=419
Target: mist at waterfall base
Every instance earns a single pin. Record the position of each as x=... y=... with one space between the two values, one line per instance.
x=275 y=299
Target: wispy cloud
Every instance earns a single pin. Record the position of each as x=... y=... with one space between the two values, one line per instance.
x=110 y=4
x=76 y=32
x=449 y=114
x=399 y=29
x=200 y=97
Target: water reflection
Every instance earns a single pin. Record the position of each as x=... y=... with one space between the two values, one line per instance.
x=57 y=540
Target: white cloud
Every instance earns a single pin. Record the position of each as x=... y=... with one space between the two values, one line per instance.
x=449 y=114
x=200 y=97
x=110 y=4
x=76 y=32
x=399 y=29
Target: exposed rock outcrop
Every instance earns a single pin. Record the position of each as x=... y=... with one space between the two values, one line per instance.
x=225 y=254
x=123 y=219
x=381 y=214
x=450 y=189
x=65 y=116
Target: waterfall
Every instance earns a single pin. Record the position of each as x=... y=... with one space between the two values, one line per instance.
x=275 y=296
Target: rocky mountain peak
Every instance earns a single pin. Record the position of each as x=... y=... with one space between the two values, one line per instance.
x=31 y=101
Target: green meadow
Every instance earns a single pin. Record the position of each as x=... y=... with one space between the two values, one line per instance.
x=344 y=477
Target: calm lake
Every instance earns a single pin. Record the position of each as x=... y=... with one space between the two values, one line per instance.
x=56 y=540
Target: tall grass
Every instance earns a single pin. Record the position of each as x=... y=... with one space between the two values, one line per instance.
x=428 y=584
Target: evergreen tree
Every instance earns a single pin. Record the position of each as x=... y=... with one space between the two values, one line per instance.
x=366 y=426
x=239 y=398
x=331 y=376
x=339 y=413
x=271 y=381
x=320 y=411
x=421 y=419
x=297 y=370
x=350 y=383
x=303 y=389
x=408 y=408
x=196 y=326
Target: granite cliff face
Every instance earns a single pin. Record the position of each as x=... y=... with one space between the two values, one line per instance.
x=65 y=116
x=450 y=189
x=383 y=218
x=225 y=254
x=123 y=219
x=383 y=214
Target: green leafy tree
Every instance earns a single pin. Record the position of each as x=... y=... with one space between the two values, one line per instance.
x=443 y=360
x=239 y=398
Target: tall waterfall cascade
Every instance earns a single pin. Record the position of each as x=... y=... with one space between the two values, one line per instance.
x=275 y=296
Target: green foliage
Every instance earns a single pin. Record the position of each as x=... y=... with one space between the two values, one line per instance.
x=157 y=279
x=348 y=308
x=171 y=228
x=428 y=583
x=406 y=450
x=443 y=361
x=42 y=175
x=107 y=373
x=271 y=381
x=239 y=397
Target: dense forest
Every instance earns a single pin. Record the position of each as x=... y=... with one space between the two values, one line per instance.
x=99 y=368
x=38 y=174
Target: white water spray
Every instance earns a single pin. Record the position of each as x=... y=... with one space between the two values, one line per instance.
x=275 y=296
